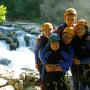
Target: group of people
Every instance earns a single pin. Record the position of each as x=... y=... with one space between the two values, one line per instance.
x=62 y=48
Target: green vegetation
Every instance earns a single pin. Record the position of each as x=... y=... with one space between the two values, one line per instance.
x=3 y=12
x=22 y=9
x=44 y=10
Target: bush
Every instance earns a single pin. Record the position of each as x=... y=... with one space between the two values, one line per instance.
x=3 y=12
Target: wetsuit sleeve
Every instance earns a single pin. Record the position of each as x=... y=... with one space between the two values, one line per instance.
x=43 y=54
x=37 y=53
x=68 y=59
x=59 y=29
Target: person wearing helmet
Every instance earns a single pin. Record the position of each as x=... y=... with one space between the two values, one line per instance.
x=68 y=35
x=70 y=17
x=56 y=61
x=82 y=56
x=42 y=40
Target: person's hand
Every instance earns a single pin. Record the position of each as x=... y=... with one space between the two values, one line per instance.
x=52 y=68
x=48 y=68
x=37 y=67
x=57 y=68
x=77 y=61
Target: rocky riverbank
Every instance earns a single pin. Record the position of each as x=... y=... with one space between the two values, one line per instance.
x=24 y=80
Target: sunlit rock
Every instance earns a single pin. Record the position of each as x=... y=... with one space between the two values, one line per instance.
x=3 y=82
x=8 y=87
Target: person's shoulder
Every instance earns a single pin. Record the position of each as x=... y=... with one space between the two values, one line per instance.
x=61 y=26
x=88 y=37
x=59 y=29
x=40 y=38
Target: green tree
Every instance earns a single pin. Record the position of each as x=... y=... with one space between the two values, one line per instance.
x=3 y=12
x=22 y=9
x=53 y=10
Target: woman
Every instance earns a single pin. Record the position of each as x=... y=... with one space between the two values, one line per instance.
x=82 y=56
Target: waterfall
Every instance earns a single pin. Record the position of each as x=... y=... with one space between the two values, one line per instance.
x=4 y=44
x=27 y=40
x=32 y=42
x=21 y=41
x=23 y=56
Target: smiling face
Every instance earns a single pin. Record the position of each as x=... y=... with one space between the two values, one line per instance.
x=70 y=20
x=46 y=29
x=54 y=45
x=80 y=30
x=67 y=38
x=46 y=32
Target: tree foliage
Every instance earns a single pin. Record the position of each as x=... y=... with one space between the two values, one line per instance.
x=48 y=10
x=3 y=12
x=22 y=9
x=53 y=10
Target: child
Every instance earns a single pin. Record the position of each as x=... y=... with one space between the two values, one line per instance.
x=56 y=61
x=68 y=35
x=41 y=42
x=70 y=17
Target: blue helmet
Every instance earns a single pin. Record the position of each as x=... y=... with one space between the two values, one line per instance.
x=54 y=37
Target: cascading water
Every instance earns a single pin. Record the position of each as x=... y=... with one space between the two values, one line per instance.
x=22 y=57
x=21 y=41
x=3 y=44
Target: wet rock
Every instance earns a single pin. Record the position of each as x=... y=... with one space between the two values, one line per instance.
x=29 y=77
x=5 y=61
x=1 y=34
x=29 y=27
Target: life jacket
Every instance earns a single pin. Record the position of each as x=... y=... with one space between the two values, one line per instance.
x=65 y=47
x=54 y=57
x=83 y=48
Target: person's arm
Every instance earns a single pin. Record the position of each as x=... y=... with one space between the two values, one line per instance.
x=68 y=59
x=43 y=54
x=62 y=66
x=37 y=59
x=36 y=53
x=59 y=29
